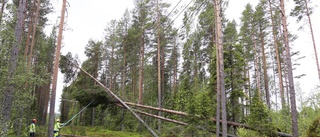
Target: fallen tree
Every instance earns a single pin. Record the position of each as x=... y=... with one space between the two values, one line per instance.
x=230 y=123
x=125 y=104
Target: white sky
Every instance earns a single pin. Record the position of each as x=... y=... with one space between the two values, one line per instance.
x=87 y=19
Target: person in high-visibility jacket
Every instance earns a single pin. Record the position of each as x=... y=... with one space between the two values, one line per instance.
x=32 y=129
x=56 y=128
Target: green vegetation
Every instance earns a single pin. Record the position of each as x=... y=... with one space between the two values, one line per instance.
x=146 y=60
x=95 y=132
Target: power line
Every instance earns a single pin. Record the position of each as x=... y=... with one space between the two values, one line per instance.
x=197 y=10
x=170 y=24
x=181 y=11
x=172 y=9
x=191 y=15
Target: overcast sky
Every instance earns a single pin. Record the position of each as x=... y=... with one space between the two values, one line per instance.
x=87 y=19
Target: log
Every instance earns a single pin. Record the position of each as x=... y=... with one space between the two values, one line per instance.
x=174 y=121
x=108 y=91
x=162 y=118
x=230 y=123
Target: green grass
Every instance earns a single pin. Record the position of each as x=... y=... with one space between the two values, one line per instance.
x=96 y=132
x=86 y=131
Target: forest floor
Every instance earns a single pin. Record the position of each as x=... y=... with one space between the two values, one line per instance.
x=86 y=131
x=94 y=132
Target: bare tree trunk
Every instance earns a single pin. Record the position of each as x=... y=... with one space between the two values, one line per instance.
x=26 y=49
x=55 y=72
x=295 y=130
x=230 y=123
x=111 y=62
x=124 y=71
x=221 y=67
x=275 y=42
x=274 y=77
x=195 y=70
x=141 y=67
x=133 y=69
x=92 y=116
x=218 y=111
x=256 y=67
x=265 y=73
x=218 y=96
x=159 y=66
x=34 y=33
x=245 y=89
x=175 y=75
x=249 y=89
x=312 y=36
x=8 y=92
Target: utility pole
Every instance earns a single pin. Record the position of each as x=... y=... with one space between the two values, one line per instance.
x=55 y=72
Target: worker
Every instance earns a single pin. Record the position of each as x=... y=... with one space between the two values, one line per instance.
x=56 y=128
x=32 y=130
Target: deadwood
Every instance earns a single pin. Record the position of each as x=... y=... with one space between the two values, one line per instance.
x=108 y=91
x=230 y=123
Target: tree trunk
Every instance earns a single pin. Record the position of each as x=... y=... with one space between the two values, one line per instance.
x=112 y=60
x=230 y=123
x=92 y=116
x=8 y=92
x=265 y=73
x=159 y=66
x=124 y=75
x=3 y=3
x=256 y=67
x=55 y=71
x=133 y=69
x=175 y=72
x=295 y=130
x=249 y=89
x=26 y=49
x=141 y=67
x=312 y=36
x=218 y=96
x=124 y=71
x=221 y=67
x=34 y=33
x=275 y=42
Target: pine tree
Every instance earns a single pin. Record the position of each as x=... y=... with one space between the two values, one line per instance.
x=55 y=71
x=234 y=64
x=262 y=25
x=9 y=91
x=141 y=20
x=276 y=46
x=300 y=10
x=247 y=42
x=294 y=115
x=221 y=72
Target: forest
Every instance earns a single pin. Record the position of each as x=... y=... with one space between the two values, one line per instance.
x=210 y=76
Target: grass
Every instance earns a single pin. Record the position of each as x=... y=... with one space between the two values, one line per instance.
x=82 y=131
x=95 y=132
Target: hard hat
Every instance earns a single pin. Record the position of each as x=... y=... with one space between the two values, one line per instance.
x=34 y=120
x=58 y=120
